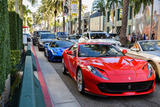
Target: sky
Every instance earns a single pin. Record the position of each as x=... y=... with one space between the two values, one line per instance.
x=33 y=8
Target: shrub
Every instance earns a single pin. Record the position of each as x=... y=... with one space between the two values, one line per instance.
x=4 y=44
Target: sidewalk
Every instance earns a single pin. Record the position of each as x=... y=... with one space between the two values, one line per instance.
x=58 y=91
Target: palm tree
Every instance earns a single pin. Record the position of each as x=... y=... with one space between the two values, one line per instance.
x=79 y=20
x=57 y=7
x=123 y=37
x=26 y=19
x=101 y=7
x=17 y=5
x=112 y=5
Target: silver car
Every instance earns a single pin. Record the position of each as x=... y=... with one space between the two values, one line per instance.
x=148 y=50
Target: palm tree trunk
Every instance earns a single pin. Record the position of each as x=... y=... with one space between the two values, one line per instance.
x=48 y=27
x=152 y=1
x=123 y=37
x=55 y=27
x=16 y=6
x=63 y=23
x=80 y=8
x=22 y=9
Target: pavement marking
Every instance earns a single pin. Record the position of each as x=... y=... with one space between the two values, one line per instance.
x=60 y=94
x=46 y=95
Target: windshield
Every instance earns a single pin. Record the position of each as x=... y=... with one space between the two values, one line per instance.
x=98 y=35
x=61 y=34
x=150 y=45
x=98 y=50
x=63 y=44
x=47 y=36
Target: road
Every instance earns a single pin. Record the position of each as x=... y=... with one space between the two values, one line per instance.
x=87 y=100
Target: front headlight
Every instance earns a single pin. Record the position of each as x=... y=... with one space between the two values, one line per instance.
x=150 y=70
x=96 y=72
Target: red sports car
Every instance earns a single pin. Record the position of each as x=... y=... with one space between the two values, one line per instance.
x=102 y=69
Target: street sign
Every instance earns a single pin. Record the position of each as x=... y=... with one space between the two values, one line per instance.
x=74 y=8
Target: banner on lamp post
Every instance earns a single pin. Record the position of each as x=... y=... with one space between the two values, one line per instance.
x=74 y=8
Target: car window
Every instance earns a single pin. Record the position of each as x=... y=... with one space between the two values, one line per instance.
x=136 y=46
x=150 y=45
x=74 y=50
x=52 y=44
x=47 y=36
x=98 y=50
x=98 y=35
x=63 y=44
x=86 y=35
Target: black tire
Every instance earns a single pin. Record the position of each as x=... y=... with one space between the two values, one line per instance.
x=80 y=88
x=48 y=59
x=65 y=72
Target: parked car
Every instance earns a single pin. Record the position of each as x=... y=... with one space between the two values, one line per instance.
x=36 y=35
x=28 y=37
x=62 y=35
x=54 y=50
x=98 y=37
x=74 y=38
x=45 y=38
x=148 y=50
x=102 y=69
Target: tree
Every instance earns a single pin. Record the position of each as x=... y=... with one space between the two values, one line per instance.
x=123 y=37
x=57 y=7
x=26 y=18
x=79 y=20
x=101 y=7
x=112 y=5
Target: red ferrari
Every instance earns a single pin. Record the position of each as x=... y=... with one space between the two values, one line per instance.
x=103 y=69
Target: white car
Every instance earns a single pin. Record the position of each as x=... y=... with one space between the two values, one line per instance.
x=98 y=37
x=148 y=50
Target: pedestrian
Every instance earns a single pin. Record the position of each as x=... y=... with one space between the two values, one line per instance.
x=129 y=38
x=153 y=36
x=144 y=36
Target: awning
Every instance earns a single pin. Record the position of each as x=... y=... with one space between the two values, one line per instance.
x=25 y=26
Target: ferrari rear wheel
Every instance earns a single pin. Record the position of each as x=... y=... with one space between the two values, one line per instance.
x=80 y=82
x=65 y=72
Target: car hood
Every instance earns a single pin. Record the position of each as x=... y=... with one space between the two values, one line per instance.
x=58 y=50
x=118 y=67
x=156 y=53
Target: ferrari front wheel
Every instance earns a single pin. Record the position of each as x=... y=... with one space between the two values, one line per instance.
x=80 y=81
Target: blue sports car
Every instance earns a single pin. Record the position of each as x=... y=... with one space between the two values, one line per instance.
x=53 y=50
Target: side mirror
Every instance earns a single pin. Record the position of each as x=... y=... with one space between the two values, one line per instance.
x=124 y=51
x=135 y=49
x=70 y=53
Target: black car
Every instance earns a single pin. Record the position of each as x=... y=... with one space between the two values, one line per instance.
x=45 y=38
x=62 y=35
x=36 y=35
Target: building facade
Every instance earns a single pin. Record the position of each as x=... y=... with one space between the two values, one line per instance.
x=140 y=23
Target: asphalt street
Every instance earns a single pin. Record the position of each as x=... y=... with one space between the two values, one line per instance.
x=87 y=100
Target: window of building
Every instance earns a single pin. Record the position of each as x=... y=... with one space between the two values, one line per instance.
x=130 y=12
x=119 y=14
x=129 y=29
x=108 y=29
x=108 y=16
